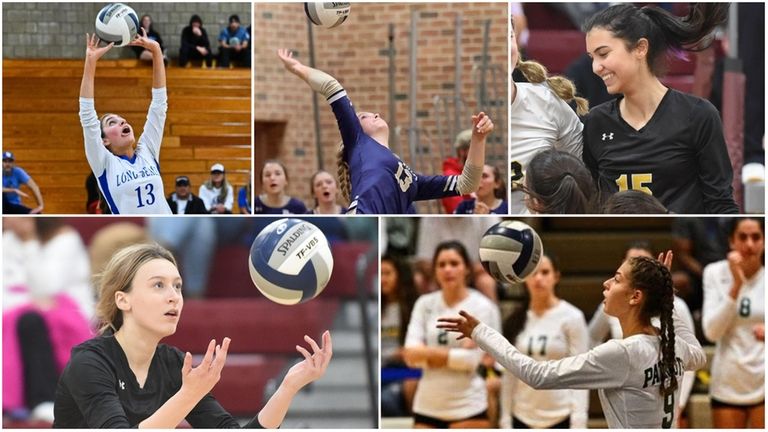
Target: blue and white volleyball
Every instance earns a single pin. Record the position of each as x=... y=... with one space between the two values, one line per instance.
x=117 y=23
x=327 y=14
x=290 y=261
x=510 y=251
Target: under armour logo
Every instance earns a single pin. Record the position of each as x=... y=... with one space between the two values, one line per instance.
x=122 y=384
x=609 y=136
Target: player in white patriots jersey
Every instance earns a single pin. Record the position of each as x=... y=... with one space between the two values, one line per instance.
x=636 y=377
x=733 y=316
x=129 y=177
x=450 y=392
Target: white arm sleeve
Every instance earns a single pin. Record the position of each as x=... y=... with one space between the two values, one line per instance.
x=323 y=83
x=599 y=327
x=507 y=400
x=605 y=366
x=719 y=310
x=578 y=342
x=95 y=152
x=569 y=129
x=469 y=180
x=152 y=136
x=689 y=377
x=464 y=359
x=693 y=357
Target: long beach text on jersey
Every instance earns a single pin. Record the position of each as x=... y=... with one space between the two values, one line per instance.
x=653 y=374
x=131 y=175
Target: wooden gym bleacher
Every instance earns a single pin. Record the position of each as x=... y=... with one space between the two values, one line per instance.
x=208 y=121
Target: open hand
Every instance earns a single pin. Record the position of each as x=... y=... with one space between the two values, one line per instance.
x=200 y=380
x=144 y=42
x=482 y=125
x=294 y=66
x=464 y=324
x=92 y=49
x=313 y=366
x=666 y=259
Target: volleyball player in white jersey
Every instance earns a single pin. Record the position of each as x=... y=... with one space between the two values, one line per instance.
x=733 y=316
x=545 y=328
x=539 y=119
x=129 y=178
x=603 y=325
x=450 y=393
x=636 y=377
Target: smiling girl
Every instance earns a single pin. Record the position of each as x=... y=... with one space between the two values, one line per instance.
x=652 y=138
x=128 y=172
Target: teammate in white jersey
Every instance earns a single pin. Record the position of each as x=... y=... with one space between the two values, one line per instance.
x=539 y=119
x=603 y=325
x=636 y=377
x=545 y=328
x=733 y=316
x=129 y=178
x=450 y=394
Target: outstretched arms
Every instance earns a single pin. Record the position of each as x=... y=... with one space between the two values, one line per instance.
x=158 y=67
x=318 y=80
x=469 y=180
x=92 y=54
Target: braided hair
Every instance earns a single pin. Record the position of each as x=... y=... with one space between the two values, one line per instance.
x=654 y=279
x=345 y=184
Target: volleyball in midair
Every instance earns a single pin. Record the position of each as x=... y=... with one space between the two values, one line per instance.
x=290 y=261
x=327 y=14
x=117 y=23
x=510 y=251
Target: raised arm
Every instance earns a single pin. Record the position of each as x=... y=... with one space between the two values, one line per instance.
x=318 y=80
x=469 y=180
x=310 y=369
x=158 y=67
x=92 y=54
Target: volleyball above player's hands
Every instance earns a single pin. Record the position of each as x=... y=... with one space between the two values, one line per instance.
x=117 y=23
x=510 y=251
x=327 y=14
x=290 y=261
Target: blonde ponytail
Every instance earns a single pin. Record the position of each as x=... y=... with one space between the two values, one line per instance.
x=536 y=73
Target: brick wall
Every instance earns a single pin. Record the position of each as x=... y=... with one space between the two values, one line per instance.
x=56 y=30
x=355 y=53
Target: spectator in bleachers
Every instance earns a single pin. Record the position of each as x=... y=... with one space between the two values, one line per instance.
x=47 y=304
x=195 y=43
x=217 y=193
x=234 y=44
x=13 y=178
x=603 y=326
x=734 y=318
x=272 y=199
x=653 y=138
x=633 y=202
x=545 y=327
x=558 y=183
x=540 y=119
x=244 y=198
x=326 y=192
x=140 y=303
x=146 y=54
x=398 y=296
x=490 y=195
x=183 y=201
x=450 y=393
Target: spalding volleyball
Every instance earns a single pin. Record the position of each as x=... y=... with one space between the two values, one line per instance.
x=327 y=14
x=117 y=23
x=510 y=251
x=290 y=261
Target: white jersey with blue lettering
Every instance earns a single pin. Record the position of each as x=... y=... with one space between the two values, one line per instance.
x=456 y=391
x=626 y=373
x=130 y=186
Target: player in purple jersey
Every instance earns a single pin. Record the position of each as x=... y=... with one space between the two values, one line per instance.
x=372 y=178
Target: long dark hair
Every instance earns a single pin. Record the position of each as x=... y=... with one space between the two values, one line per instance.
x=654 y=279
x=666 y=33
x=515 y=323
x=406 y=292
x=461 y=250
x=560 y=184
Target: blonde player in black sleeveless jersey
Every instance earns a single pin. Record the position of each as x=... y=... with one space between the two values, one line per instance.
x=636 y=377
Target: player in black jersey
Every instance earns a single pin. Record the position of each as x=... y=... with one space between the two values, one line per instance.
x=654 y=139
x=126 y=378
